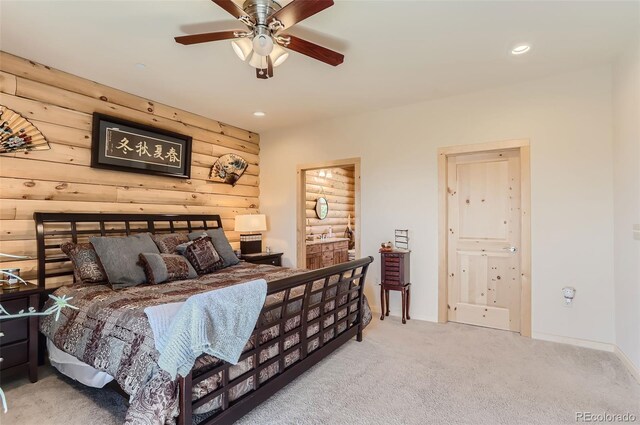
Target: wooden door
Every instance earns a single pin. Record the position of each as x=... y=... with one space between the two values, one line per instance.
x=484 y=283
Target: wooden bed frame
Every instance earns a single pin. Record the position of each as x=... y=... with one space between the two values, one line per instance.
x=331 y=283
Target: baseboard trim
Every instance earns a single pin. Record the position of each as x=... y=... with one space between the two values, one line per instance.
x=602 y=346
x=413 y=317
x=628 y=363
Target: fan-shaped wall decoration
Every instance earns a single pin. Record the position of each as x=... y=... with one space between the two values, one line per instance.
x=228 y=169
x=17 y=134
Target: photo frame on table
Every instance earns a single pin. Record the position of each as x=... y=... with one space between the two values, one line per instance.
x=122 y=145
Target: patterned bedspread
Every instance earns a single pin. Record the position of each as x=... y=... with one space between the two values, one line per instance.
x=111 y=333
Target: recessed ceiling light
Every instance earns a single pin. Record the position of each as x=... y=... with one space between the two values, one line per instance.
x=141 y=66
x=520 y=49
x=259 y=114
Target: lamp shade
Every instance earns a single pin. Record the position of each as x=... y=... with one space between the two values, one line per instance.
x=242 y=47
x=278 y=56
x=251 y=223
x=258 y=61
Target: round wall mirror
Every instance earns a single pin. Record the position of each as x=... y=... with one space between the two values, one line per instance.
x=322 y=208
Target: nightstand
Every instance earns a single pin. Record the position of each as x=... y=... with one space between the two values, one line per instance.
x=19 y=345
x=273 y=258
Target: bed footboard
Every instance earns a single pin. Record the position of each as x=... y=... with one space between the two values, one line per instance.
x=313 y=314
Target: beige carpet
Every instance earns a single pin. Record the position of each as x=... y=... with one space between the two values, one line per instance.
x=418 y=373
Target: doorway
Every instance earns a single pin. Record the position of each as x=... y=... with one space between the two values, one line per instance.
x=485 y=236
x=328 y=213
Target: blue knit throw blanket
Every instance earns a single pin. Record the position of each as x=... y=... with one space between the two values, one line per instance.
x=218 y=322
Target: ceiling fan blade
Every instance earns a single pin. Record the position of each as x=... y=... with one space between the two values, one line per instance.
x=206 y=37
x=231 y=7
x=313 y=50
x=299 y=10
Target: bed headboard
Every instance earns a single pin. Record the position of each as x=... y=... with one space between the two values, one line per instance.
x=53 y=229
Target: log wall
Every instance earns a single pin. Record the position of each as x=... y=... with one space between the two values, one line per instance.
x=340 y=193
x=61 y=179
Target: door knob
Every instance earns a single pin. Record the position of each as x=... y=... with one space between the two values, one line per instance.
x=511 y=249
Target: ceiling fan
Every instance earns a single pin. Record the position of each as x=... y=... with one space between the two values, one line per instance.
x=263 y=43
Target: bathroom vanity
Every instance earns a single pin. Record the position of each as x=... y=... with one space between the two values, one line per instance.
x=327 y=252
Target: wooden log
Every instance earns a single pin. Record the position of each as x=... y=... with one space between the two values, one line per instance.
x=7 y=83
x=31 y=109
x=17 y=230
x=22 y=209
x=60 y=191
x=164 y=197
x=332 y=199
x=339 y=178
x=26 y=229
x=11 y=188
x=311 y=213
x=210 y=149
x=328 y=221
x=64 y=135
x=64 y=154
x=319 y=190
x=311 y=205
x=59 y=172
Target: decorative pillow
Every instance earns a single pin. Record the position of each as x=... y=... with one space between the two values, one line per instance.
x=221 y=244
x=203 y=256
x=161 y=268
x=167 y=243
x=86 y=264
x=182 y=248
x=119 y=257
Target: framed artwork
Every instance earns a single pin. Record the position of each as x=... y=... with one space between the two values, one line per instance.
x=17 y=134
x=122 y=145
x=228 y=169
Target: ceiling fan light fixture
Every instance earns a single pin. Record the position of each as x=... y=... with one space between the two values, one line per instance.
x=262 y=42
x=278 y=56
x=258 y=61
x=242 y=47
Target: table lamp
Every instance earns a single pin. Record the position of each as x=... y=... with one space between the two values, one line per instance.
x=247 y=224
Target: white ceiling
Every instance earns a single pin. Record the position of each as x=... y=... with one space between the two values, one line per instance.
x=397 y=52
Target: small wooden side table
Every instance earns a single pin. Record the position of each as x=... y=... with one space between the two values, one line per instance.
x=19 y=345
x=272 y=258
x=395 y=277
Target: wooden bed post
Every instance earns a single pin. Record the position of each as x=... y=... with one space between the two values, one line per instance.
x=361 y=300
x=184 y=400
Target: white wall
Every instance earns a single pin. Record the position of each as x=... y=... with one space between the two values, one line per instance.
x=626 y=147
x=568 y=119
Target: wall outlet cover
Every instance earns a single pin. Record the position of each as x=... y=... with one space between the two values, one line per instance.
x=636 y=232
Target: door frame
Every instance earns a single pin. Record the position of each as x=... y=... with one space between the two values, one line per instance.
x=523 y=146
x=301 y=247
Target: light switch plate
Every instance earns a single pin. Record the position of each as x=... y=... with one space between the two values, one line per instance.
x=636 y=232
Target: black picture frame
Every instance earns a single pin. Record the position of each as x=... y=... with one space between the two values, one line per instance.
x=111 y=148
